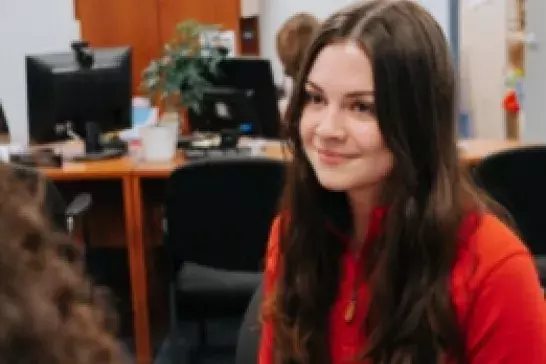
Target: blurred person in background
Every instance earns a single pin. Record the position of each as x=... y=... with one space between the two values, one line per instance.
x=293 y=39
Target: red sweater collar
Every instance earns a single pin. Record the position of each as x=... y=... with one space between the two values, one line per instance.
x=466 y=230
x=374 y=227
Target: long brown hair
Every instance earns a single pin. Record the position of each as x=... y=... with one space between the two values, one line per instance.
x=411 y=317
x=50 y=312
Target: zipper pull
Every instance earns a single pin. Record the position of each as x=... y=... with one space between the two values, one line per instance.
x=351 y=309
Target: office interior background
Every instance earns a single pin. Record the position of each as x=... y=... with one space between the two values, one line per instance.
x=482 y=33
x=498 y=53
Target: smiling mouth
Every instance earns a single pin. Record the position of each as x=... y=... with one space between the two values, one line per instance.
x=332 y=158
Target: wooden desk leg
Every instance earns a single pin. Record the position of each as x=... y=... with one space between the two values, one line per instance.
x=137 y=264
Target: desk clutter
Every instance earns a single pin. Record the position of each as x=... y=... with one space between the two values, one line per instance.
x=202 y=153
x=44 y=157
x=88 y=92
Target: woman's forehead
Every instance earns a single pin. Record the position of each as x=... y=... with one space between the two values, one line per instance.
x=342 y=67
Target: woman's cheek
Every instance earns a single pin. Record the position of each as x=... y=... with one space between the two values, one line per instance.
x=366 y=134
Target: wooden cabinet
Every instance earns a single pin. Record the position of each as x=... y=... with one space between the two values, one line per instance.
x=147 y=24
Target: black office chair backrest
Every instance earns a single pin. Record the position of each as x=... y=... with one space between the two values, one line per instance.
x=248 y=342
x=219 y=211
x=517 y=180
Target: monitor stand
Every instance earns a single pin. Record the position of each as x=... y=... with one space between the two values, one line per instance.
x=94 y=149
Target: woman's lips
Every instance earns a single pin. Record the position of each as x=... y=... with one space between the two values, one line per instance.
x=332 y=158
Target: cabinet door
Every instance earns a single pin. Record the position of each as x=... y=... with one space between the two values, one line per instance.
x=106 y=23
x=225 y=13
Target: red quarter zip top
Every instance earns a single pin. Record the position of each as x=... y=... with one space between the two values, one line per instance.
x=494 y=285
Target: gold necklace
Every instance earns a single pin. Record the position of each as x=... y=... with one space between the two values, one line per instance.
x=350 y=310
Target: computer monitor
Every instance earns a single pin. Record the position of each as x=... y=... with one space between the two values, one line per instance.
x=83 y=92
x=242 y=95
x=227 y=108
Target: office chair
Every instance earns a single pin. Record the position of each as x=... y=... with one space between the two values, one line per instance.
x=248 y=341
x=517 y=180
x=218 y=213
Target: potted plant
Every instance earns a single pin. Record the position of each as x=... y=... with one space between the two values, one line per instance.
x=178 y=79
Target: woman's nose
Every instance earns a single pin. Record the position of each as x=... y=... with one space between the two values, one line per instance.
x=330 y=124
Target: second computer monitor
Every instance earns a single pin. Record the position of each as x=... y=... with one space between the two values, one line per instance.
x=243 y=95
x=81 y=88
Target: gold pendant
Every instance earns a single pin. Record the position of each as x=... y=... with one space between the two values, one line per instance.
x=350 y=311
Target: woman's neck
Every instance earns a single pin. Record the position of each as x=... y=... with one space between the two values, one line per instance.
x=362 y=203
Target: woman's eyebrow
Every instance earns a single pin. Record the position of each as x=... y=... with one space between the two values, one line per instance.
x=355 y=93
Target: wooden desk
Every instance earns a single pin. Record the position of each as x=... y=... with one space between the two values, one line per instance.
x=139 y=213
x=472 y=151
x=163 y=170
x=113 y=168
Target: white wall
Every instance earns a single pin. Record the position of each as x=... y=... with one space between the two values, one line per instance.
x=29 y=26
x=483 y=64
x=274 y=12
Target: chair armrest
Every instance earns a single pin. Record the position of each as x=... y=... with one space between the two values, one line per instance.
x=77 y=209
x=79 y=205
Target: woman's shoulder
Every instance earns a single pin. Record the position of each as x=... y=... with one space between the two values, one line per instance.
x=490 y=249
x=497 y=293
x=493 y=241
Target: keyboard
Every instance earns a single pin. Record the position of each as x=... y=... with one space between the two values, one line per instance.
x=193 y=153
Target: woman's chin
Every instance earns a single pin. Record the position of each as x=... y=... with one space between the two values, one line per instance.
x=334 y=184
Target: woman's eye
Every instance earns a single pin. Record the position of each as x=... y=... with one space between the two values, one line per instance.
x=363 y=107
x=313 y=98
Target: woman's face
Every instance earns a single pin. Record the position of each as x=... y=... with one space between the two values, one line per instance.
x=339 y=130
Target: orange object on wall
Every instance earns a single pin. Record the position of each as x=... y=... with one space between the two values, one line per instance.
x=510 y=102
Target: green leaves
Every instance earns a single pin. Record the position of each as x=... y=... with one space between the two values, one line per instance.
x=182 y=74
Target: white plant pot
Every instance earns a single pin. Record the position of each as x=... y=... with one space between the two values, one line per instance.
x=159 y=142
x=168 y=117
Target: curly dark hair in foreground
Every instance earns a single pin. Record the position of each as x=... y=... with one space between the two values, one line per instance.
x=49 y=312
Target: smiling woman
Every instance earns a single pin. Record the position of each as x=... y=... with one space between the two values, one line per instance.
x=339 y=130
x=384 y=252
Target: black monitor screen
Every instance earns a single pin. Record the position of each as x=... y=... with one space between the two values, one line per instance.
x=227 y=108
x=59 y=90
x=253 y=79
